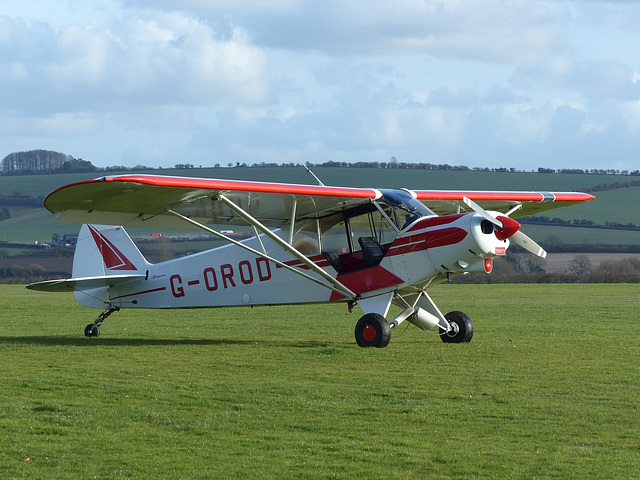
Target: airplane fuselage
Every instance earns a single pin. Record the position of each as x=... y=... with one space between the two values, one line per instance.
x=429 y=248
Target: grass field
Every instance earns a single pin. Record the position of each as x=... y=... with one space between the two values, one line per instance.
x=548 y=388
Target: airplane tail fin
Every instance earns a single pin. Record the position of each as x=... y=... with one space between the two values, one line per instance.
x=104 y=251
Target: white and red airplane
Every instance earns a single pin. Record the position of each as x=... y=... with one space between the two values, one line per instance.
x=312 y=244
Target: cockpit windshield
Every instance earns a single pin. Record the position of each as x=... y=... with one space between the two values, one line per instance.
x=402 y=208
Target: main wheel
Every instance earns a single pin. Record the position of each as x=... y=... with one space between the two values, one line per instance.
x=462 y=328
x=373 y=330
x=92 y=330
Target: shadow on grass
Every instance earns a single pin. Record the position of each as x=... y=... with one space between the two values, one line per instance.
x=137 y=342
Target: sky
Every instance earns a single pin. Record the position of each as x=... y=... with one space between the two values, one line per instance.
x=483 y=83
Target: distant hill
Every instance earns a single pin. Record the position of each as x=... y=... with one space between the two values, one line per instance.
x=43 y=162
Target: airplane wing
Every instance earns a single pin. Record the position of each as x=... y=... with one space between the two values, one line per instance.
x=69 y=284
x=145 y=201
x=444 y=202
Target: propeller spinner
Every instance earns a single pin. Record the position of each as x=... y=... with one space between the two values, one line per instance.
x=508 y=228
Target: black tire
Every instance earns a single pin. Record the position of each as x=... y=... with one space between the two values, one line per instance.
x=92 y=330
x=464 y=326
x=373 y=330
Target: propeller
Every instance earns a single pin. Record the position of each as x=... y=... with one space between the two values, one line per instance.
x=507 y=228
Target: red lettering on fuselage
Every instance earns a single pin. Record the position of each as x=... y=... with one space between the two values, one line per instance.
x=227 y=274
x=210 y=279
x=265 y=275
x=246 y=274
x=176 y=288
x=248 y=271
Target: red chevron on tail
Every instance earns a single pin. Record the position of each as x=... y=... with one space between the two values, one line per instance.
x=113 y=258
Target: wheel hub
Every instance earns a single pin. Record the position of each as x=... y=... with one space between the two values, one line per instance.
x=369 y=333
x=454 y=328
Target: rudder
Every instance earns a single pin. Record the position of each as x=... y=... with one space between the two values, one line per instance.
x=104 y=250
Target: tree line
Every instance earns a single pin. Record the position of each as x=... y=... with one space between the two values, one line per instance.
x=42 y=162
x=603 y=187
x=47 y=161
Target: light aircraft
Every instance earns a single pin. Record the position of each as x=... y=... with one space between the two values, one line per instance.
x=312 y=244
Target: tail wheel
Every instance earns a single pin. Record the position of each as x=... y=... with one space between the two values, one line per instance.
x=373 y=330
x=92 y=330
x=462 y=328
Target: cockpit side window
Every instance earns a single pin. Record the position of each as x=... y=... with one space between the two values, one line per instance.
x=307 y=239
x=384 y=231
x=371 y=224
x=333 y=231
x=340 y=232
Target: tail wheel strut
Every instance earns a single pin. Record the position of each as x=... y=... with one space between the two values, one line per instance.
x=93 y=329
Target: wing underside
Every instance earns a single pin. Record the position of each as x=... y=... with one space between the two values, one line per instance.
x=151 y=200
x=146 y=201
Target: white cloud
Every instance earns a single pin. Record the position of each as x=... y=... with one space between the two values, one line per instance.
x=56 y=125
x=79 y=56
x=165 y=60
x=591 y=78
x=488 y=30
x=479 y=82
x=219 y=6
x=512 y=31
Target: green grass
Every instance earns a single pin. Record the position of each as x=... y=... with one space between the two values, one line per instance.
x=548 y=388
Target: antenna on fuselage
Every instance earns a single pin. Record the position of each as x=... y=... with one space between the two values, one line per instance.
x=309 y=170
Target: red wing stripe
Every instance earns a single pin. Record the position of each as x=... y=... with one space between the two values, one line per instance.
x=243 y=186
x=502 y=196
x=478 y=195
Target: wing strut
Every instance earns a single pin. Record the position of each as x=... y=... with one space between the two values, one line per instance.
x=293 y=220
x=333 y=285
x=289 y=248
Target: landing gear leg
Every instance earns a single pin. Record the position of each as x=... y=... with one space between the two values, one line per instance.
x=93 y=329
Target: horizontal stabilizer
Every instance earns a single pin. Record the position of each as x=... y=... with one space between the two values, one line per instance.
x=85 y=283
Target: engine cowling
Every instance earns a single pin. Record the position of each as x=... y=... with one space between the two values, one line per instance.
x=457 y=243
